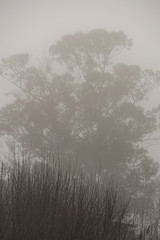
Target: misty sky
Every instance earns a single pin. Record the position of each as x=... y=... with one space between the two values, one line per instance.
x=33 y=25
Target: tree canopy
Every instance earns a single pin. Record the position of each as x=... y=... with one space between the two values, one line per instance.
x=92 y=107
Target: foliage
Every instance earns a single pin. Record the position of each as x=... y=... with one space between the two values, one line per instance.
x=92 y=109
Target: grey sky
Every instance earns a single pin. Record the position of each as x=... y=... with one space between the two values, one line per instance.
x=33 y=25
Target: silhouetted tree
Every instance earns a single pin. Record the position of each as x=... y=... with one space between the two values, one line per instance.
x=93 y=107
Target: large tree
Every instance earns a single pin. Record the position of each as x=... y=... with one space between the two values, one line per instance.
x=109 y=121
x=92 y=106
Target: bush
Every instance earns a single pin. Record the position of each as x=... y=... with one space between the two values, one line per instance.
x=47 y=200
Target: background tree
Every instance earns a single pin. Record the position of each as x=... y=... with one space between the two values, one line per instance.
x=109 y=115
x=93 y=106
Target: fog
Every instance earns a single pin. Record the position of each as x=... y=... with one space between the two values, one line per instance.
x=32 y=26
x=79 y=111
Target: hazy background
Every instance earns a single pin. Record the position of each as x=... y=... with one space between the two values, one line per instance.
x=33 y=25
